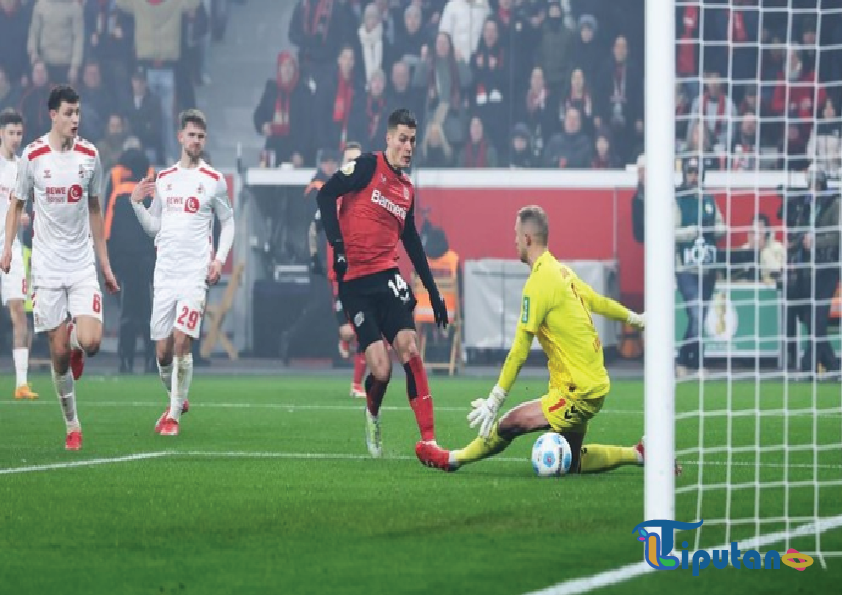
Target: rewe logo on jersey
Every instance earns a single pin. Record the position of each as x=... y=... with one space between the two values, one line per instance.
x=63 y=194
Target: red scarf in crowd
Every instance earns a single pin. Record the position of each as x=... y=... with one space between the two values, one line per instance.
x=686 y=60
x=476 y=155
x=738 y=26
x=342 y=104
x=720 y=111
x=317 y=21
x=280 y=121
x=373 y=109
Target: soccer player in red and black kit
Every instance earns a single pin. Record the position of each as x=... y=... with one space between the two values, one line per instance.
x=377 y=211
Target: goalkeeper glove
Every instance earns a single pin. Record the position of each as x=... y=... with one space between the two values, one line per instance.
x=340 y=260
x=636 y=320
x=485 y=411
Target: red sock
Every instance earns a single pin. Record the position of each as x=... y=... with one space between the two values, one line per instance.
x=359 y=368
x=419 y=397
x=374 y=392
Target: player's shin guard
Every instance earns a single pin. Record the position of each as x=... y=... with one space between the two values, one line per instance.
x=601 y=458
x=67 y=399
x=359 y=369
x=419 y=397
x=374 y=392
x=480 y=448
x=165 y=370
x=182 y=375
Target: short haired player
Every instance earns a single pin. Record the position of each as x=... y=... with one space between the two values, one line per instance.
x=378 y=212
x=187 y=196
x=13 y=287
x=63 y=174
x=557 y=307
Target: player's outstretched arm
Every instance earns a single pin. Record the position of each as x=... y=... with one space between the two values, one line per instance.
x=415 y=249
x=607 y=307
x=13 y=216
x=150 y=219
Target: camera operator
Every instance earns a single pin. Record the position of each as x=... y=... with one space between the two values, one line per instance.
x=818 y=247
x=699 y=225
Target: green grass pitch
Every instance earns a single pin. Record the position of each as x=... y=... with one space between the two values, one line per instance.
x=269 y=489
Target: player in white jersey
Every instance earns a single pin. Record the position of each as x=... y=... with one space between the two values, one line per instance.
x=13 y=284
x=186 y=198
x=63 y=175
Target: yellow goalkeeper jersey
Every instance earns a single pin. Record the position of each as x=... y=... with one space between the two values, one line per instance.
x=557 y=307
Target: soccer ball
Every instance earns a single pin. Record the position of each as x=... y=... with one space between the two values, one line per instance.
x=551 y=455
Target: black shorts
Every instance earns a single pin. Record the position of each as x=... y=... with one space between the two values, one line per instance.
x=378 y=306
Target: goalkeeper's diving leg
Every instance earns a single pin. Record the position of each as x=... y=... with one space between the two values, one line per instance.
x=565 y=416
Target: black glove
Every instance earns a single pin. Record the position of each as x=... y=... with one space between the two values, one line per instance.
x=340 y=260
x=316 y=267
x=439 y=310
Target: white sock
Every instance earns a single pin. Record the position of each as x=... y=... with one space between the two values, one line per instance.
x=21 y=358
x=166 y=377
x=67 y=399
x=74 y=339
x=181 y=379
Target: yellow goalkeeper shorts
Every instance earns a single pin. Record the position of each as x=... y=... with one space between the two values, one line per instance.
x=566 y=413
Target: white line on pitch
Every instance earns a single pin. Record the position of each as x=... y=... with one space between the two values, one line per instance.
x=633 y=570
x=84 y=463
x=271 y=406
x=292 y=455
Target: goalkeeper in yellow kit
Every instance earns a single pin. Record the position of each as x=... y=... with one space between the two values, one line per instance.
x=556 y=307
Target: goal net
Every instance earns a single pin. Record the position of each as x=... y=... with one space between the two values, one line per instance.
x=758 y=398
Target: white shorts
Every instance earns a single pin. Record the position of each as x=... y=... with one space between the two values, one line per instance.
x=177 y=308
x=81 y=298
x=13 y=283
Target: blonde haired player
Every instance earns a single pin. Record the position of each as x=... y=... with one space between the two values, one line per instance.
x=556 y=307
x=63 y=173
x=186 y=198
x=13 y=284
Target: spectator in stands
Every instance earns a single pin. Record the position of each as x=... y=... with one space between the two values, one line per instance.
x=682 y=116
x=699 y=144
x=604 y=158
x=716 y=110
x=478 y=152
x=57 y=36
x=110 y=41
x=158 y=48
x=195 y=29
x=687 y=22
x=436 y=152
x=738 y=27
x=639 y=202
x=520 y=33
x=538 y=113
x=412 y=38
x=445 y=79
x=36 y=119
x=9 y=93
x=283 y=115
x=825 y=146
x=571 y=148
x=98 y=102
x=144 y=116
x=376 y=113
x=620 y=88
x=797 y=96
x=111 y=145
x=319 y=28
x=749 y=102
x=579 y=97
x=339 y=104
x=771 y=254
x=463 y=20
x=554 y=50
x=520 y=148
x=400 y=95
x=490 y=86
x=387 y=20
x=744 y=152
x=374 y=52
x=15 y=19
x=585 y=51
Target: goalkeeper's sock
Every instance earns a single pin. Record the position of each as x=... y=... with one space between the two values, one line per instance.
x=359 y=368
x=601 y=458
x=420 y=399
x=480 y=448
x=374 y=392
